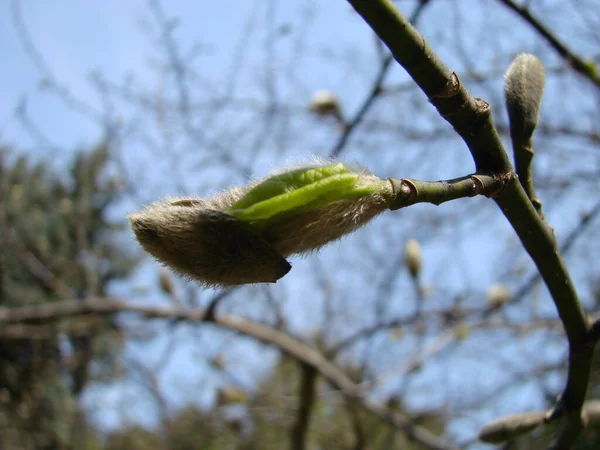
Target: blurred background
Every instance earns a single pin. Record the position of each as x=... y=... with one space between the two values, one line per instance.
x=435 y=313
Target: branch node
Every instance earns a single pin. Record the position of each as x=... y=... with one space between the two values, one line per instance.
x=482 y=106
x=505 y=179
x=414 y=190
x=478 y=185
x=451 y=88
x=404 y=193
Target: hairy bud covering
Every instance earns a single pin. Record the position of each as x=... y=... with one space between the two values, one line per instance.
x=244 y=234
x=523 y=88
x=325 y=103
x=412 y=257
x=207 y=245
x=498 y=294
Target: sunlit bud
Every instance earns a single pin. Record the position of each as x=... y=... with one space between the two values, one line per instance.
x=244 y=234
x=498 y=294
x=412 y=257
x=325 y=103
x=523 y=88
x=206 y=245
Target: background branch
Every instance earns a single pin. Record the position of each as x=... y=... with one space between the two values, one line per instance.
x=288 y=345
x=587 y=69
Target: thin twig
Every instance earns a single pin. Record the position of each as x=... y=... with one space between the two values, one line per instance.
x=306 y=398
x=374 y=93
x=472 y=120
x=587 y=69
x=287 y=344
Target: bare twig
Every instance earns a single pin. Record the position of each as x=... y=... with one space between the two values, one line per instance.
x=587 y=69
x=288 y=345
x=472 y=120
x=306 y=398
x=375 y=91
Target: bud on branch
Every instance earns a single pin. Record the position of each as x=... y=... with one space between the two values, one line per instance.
x=523 y=88
x=243 y=235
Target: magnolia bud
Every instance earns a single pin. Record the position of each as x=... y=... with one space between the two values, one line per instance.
x=523 y=88
x=325 y=103
x=243 y=235
x=498 y=294
x=207 y=245
x=412 y=257
x=509 y=427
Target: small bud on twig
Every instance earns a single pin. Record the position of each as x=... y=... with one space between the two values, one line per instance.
x=412 y=257
x=326 y=104
x=498 y=294
x=523 y=88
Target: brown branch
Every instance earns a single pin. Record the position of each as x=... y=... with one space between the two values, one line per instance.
x=288 y=345
x=587 y=69
x=307 y=394
x=360 y=438
x=471 y=118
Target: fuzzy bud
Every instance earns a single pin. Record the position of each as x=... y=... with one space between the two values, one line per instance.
x=243 y=235
x=523 y=88
x=509 y=427
x=412 y=257
x=207 y=245
x=325 y=104
x=498 y=294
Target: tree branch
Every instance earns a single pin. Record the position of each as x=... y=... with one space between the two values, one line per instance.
x=288 y=345
x=471 y=118
x=306 y=396
x=524 y=168
x=587 y=69
x=408 y=192
x=374 y=93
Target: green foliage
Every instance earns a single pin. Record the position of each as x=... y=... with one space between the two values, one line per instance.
x=57 y=244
